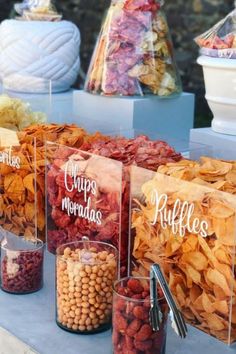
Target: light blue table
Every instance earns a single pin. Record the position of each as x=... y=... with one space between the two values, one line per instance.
x=31 y=318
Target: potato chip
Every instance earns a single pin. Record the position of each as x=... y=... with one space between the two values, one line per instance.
x=193 y=274
x=218 y=209
x=196 y=259
x=16 y=114
x=190 y=244
x=231 y=177
x=214 y=321
x=207 y=304
x=214 y=167
x=216 y=278
x=233 y=314
x=198 y=305
x=221 y=306
x=207 y=250
x=180 y=294
x=223 y=256
x=195 y=293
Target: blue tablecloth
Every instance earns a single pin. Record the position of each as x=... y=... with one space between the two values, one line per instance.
x=31 y=318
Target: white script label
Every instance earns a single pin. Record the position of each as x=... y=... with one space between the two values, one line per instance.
x=179 y=218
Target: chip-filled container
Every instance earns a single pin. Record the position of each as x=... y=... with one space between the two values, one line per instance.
x=184 y=219
x=132 y=330
x=22 y=265
x=134 y=52
x=85 y=272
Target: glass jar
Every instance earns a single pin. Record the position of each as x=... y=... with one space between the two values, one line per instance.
x=134 y=53
x=85 y=272
x=22 y=265
x=132 y=331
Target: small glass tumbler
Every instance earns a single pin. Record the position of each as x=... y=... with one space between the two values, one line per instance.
x=85 y=274
x=132 y=332
x=22 y=265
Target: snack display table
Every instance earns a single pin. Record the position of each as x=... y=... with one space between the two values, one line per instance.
x=27 y=326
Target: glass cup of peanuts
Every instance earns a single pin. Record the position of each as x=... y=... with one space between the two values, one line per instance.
x=132 y=331
x=85 y=272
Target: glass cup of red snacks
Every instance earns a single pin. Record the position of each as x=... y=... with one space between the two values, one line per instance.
x=21 y=265
x=132 y=332
x=85 y=273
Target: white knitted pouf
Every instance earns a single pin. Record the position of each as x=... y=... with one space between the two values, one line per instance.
x=37 y=54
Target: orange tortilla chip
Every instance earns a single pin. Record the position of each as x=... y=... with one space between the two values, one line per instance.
x=29 y=183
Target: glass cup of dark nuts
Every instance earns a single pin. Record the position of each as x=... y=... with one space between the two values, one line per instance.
x=22 y=265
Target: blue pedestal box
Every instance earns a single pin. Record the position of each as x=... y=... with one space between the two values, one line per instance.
x=172 y=117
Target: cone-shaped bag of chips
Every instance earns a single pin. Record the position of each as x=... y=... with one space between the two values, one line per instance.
x=220 y=40
x=134 y=52
x=37 y=10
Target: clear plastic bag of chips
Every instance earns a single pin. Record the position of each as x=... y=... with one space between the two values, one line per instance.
x=37 y=10
x=220 y=40
x=134 y=52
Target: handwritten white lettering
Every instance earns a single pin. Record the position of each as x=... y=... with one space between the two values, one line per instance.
x=77 y=182
x=7 y=158
x=82 y=211
x=180 y=218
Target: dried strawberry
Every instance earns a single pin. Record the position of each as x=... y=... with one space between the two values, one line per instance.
x=158 y=341
x=129 y=343
x=115 y=337
x=118 y=351
x=119 y=305
x=129 y=309
x=147 y=302
x=143 y=346
x=120 y=346
x=133 y=327
x=130 y=351
x=144 y=333
x=140 y=312
x=120 y=323
x=125 y=292
x=137 y=297
x=135 y=286
x=145 y=293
